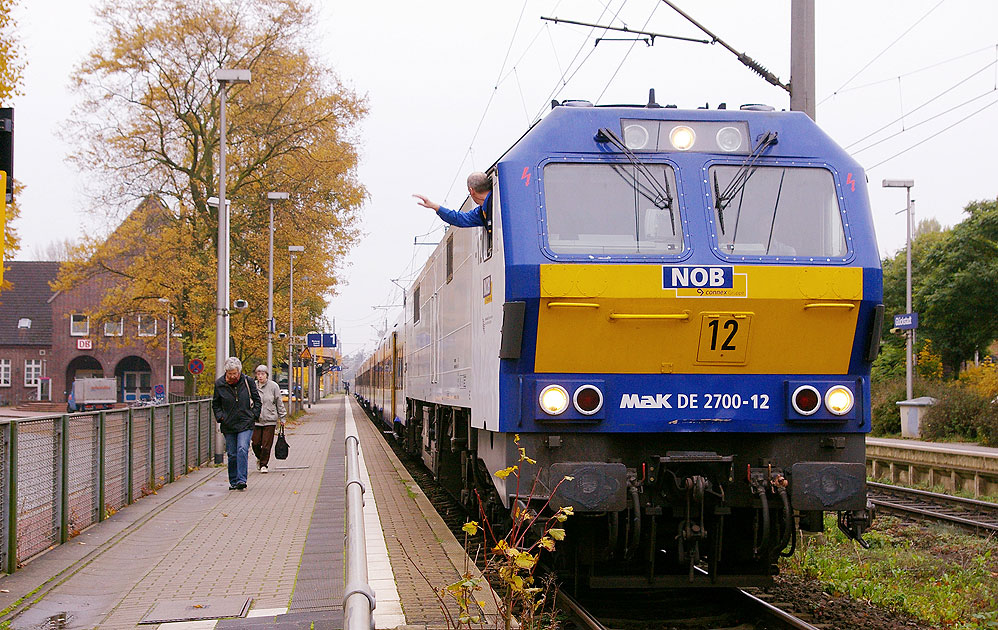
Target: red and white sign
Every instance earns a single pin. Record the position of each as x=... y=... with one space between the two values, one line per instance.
x=84 y=344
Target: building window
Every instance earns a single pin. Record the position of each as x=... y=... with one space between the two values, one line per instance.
x=24 y=322
x=4 y=372
x=32 y=372
x=79 y=325
x=114 y=328
x=147 y=326
x=177 y=372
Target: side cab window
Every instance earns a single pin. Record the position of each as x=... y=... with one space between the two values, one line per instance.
x=485 y=233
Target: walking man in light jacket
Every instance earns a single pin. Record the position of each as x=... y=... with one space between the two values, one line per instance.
x=271 y=413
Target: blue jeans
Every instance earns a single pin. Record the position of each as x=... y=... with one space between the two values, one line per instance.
x=237 y=450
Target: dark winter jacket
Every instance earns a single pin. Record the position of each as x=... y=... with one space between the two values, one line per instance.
x=236 y=407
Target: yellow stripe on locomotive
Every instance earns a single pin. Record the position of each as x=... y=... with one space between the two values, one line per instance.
x=618 y=319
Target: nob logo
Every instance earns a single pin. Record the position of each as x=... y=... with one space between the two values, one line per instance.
x=697 y=277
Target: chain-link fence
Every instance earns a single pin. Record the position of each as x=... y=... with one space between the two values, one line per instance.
x=61 y=474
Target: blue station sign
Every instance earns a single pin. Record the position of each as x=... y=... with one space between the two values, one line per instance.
x=320 y=340
x=907 y=321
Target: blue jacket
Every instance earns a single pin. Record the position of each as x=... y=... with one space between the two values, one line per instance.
x=472 y=218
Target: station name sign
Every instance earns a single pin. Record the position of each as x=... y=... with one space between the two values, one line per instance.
x=907 y=321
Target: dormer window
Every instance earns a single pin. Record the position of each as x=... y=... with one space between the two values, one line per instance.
x=24 y=322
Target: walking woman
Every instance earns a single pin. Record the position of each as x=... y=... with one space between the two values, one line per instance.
x=271 y=413
x=236 y=405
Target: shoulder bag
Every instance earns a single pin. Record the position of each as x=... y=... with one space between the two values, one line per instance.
x=281 y=447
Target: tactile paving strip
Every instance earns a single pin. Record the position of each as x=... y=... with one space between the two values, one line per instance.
x=319 y=584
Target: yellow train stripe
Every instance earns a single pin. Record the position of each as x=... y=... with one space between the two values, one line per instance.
x=770 y=320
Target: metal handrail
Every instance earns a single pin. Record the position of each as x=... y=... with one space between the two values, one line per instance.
x=358 y=596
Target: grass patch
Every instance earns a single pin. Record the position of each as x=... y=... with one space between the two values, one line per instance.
x=942 y=577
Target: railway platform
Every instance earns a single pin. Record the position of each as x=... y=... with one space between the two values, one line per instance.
x=197 y=556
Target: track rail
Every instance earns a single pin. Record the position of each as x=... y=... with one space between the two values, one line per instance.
x=971 y=514
x=783 y=618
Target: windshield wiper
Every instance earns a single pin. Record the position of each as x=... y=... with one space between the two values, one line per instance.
x=654 y=192
x=745 y=172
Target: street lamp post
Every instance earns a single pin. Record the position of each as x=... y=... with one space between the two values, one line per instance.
x=168 y=377
x=224 y=78
x=291 y=318
x=271 y=328
x=907 y=184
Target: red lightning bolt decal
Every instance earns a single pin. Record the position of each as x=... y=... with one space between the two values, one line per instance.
x=851 y=181
x=526 y=175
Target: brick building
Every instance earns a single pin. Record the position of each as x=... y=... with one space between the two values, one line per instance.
x=47 y=340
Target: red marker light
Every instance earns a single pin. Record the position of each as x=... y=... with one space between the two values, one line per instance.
x=805 y=400
x=588 y=399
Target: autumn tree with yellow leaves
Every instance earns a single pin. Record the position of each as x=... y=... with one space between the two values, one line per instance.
x=11 y=69
x=11 y=77
x=146 y=131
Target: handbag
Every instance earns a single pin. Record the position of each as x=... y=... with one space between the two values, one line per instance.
x=281 y=448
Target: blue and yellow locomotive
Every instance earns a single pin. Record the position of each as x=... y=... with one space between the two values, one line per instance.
x=676 y=308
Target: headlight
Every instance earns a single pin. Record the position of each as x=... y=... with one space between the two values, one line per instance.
x=554 y=400
x=805 y=400
x=839 y=400
x=635 y=137
x=729 y=138
x=588 y=399
x=682 y=137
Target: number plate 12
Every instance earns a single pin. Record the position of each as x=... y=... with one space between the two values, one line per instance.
x=724 y=338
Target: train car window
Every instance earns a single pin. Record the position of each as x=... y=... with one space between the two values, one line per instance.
x=612 y=209
x=415 y=305
x=486 y=232
x=450 y=257
x=776 y=211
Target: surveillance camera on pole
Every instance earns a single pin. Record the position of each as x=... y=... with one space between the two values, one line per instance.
x=240 y=305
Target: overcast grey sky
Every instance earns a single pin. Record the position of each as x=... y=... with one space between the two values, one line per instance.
x=909 y=87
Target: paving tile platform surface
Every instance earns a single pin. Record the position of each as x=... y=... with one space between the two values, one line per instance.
x=278 y=543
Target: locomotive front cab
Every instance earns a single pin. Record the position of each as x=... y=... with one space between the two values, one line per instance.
x=700 y=305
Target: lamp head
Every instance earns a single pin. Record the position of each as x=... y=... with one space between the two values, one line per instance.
x=899 y=183
x=213 y=202
x=227 y=75
x=276 y=196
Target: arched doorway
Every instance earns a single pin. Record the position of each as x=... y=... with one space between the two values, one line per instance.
x=84 y=366
x=135 y=377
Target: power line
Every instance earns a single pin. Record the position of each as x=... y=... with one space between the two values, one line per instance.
x=491 y=96
x=562 y=80
x=880 y=54
x=920 y=123
x=922 y=69
x=932 y=137
x=934 y=98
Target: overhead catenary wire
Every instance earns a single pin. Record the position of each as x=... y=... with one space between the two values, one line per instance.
x=492 y=95
x=931 y=100
x=922 y=69
x=965 y=118
x=561 y=82
x=881 y=53
x=922 y=122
